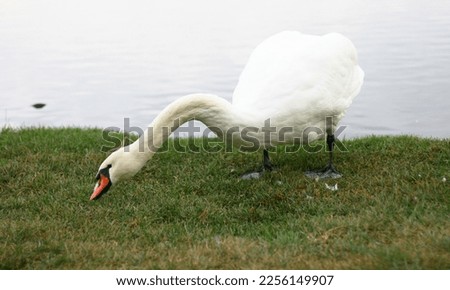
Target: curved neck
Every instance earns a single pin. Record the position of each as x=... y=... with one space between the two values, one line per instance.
x=216 y=113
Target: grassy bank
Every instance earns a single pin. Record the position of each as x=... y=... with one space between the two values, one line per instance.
x=191 y=211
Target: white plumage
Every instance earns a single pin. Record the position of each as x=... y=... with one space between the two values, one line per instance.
x=292 y=79
x=298 y=79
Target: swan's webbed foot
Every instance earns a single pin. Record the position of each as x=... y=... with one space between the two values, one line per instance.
x=252 y=175
x=328 y=172
x=267 y=167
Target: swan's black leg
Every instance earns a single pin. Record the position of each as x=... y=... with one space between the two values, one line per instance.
x=266 y=161
x=267 y=166
x=329 y=171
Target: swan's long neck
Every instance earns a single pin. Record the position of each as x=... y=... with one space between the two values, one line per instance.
x=214 y=112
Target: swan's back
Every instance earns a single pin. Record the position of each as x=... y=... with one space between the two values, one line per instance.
x=299 y=77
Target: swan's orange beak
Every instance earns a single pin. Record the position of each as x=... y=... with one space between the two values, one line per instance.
x=102 y=186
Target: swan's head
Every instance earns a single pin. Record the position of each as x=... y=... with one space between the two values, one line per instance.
x=118 y=166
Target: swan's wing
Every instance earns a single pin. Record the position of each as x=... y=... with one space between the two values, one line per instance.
x=294 y=73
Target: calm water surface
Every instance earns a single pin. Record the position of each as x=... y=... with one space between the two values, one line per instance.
x=95 y=62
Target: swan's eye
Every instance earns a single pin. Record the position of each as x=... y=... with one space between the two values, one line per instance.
x=104 y=171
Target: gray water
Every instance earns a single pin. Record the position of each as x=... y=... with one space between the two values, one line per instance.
x=95 y=62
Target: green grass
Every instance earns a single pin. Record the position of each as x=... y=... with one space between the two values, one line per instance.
x=191 y=211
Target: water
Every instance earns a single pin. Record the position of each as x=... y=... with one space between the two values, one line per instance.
x=95 y=62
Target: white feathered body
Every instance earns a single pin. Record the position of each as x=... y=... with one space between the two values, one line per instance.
x=297 y=81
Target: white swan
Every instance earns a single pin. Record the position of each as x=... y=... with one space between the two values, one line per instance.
x=291 y=83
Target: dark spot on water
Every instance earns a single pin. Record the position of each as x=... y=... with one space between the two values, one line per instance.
x=38 y=105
